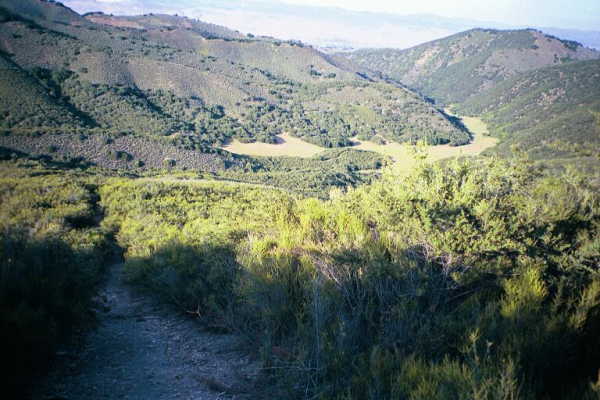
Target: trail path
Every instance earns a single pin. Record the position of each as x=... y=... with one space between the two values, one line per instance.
x=143 y=350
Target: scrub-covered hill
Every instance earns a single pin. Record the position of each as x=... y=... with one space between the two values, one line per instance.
x=552 y=112
x=199 y=85
x=452 y=69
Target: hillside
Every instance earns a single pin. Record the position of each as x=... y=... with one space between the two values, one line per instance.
x=43 y=11
x=200 y=85
x=551 y=112
x=165 y=23
x=452 y=69
x=26 y=104
x=477 y=276
x=147 y=253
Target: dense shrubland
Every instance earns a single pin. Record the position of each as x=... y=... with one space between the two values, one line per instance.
x=473 y=279
x=478 y=279
x=534 y=110
x=51 y=258
x=138 y=156
x=452 y=69
x=315 y=176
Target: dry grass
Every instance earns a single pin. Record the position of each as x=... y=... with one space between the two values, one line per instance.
x=287 y=146
x=402 y=153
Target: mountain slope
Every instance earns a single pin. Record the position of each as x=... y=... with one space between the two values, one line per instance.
x=43 y=11
x=551 y=112
x=165 y=23
x=27 y=106
x=452 y=69
x=161 y=75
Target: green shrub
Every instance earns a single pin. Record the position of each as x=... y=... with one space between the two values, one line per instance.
x=45 y=293
x=169 y=163
x=197 y=279
x=468 y=280
x=51 y=259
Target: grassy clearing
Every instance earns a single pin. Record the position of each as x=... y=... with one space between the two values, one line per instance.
x=286 y=146
x=402 y=154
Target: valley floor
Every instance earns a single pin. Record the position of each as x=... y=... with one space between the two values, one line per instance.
x=401 y=154
x=141 y=350
x=287 y=146
x=404 y=161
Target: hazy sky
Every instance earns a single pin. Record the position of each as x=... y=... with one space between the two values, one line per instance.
x=308 y=21
x=583 y=14
x=560 y=13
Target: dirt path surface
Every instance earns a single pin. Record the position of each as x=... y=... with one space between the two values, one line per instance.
x=143 y=350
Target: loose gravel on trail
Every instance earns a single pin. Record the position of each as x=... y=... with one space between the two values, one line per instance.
x=144 y=350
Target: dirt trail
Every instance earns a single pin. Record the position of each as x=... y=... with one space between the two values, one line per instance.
x=143 y=350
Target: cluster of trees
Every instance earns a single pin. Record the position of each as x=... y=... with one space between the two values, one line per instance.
x=311 y=118
x=315 y=176
x=305 y=110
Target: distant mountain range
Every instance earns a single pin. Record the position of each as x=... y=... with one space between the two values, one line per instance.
x=452 y=69
x=185 y=84
x=536 y=91
x=327 y=27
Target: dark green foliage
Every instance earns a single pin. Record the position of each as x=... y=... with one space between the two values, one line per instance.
x=193 y=278
x=51 y=258
x=315 y=176
x=120 y=155
x=169 y=163
x=45 y=292
x=551 y=112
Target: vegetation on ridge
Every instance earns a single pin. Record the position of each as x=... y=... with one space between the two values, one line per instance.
x=452 y=69
x=552 y=112
x=166 y=76
x=468 y=280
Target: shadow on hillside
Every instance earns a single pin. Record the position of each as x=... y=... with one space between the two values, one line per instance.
x=365 y=303
x=46 y=295
x=457 y=122
x=46 y=160
x=198 y=280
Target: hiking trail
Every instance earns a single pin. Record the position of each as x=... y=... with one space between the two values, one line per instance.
x=142 y=349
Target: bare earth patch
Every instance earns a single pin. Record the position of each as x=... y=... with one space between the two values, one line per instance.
x=287 y=146
x=142 y=350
